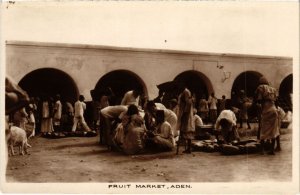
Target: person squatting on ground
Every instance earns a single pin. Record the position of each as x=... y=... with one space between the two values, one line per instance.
x=265 y=95
x=162 y=138
x=169 y=115
x=79 y=108
x=226 y=123
x=197 y=119
x=130 y=135
x=185 y=121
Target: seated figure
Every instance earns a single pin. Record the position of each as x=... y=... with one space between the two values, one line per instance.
x=162 y=137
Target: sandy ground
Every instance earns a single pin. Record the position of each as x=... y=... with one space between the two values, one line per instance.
x=82 y=159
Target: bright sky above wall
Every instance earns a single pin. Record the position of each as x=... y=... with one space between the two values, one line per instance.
x=268 y=28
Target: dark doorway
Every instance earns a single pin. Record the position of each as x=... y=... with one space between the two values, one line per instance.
x=286 y=86
x=49 y=82
x=247 y=81
x=196 y=82
x=285 y=89
x=119 y=81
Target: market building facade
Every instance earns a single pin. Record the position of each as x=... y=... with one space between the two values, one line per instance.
x=73 y=69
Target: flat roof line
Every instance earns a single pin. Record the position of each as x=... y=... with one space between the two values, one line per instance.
x=115 y=48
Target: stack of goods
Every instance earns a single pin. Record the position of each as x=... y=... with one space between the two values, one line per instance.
x=206 y=146
x=242 y=147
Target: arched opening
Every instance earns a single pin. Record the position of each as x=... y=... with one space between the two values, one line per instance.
x=49 y=82
x=119 y=81
x=196 y=82
x=285 y=89
x=247 y=81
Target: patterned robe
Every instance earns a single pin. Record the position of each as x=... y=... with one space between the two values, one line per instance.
x=269 y=115
x=185 y=121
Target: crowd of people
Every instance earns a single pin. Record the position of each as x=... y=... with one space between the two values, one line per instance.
x=139 y=124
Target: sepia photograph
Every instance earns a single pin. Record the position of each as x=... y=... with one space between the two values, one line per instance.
x=150 y=97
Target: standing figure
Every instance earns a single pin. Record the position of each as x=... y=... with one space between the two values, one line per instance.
x=212 y=101
x=266 y=97
x=38 y=113
x=96 y=114
x=67 y=116
x=185 y=121
x=31 y=120
x=281 y=114
x=222 y=103
x=245 y=103
x=203 y=108
x=79 y=108
x=47 y=114
x=57 y=110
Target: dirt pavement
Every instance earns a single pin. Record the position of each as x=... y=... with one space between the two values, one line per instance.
x=81 y=159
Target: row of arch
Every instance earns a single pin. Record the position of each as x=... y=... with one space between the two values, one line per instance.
x=50 y=81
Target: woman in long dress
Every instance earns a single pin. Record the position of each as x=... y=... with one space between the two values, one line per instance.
x=185 y=121
x=266 y=96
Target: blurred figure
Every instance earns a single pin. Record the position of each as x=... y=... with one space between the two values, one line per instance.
x=96 y=114
x=203 y=108
x=222 y=103
x=173 y=105
x=20 y=118
x=131 y=97
x=57 y=110
x=245 y=103
x=31 y=120
x=212 y=101
x=197 y=119
x=67 y=117
x=15 y=97
x=159 y=98
x=47 y=114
